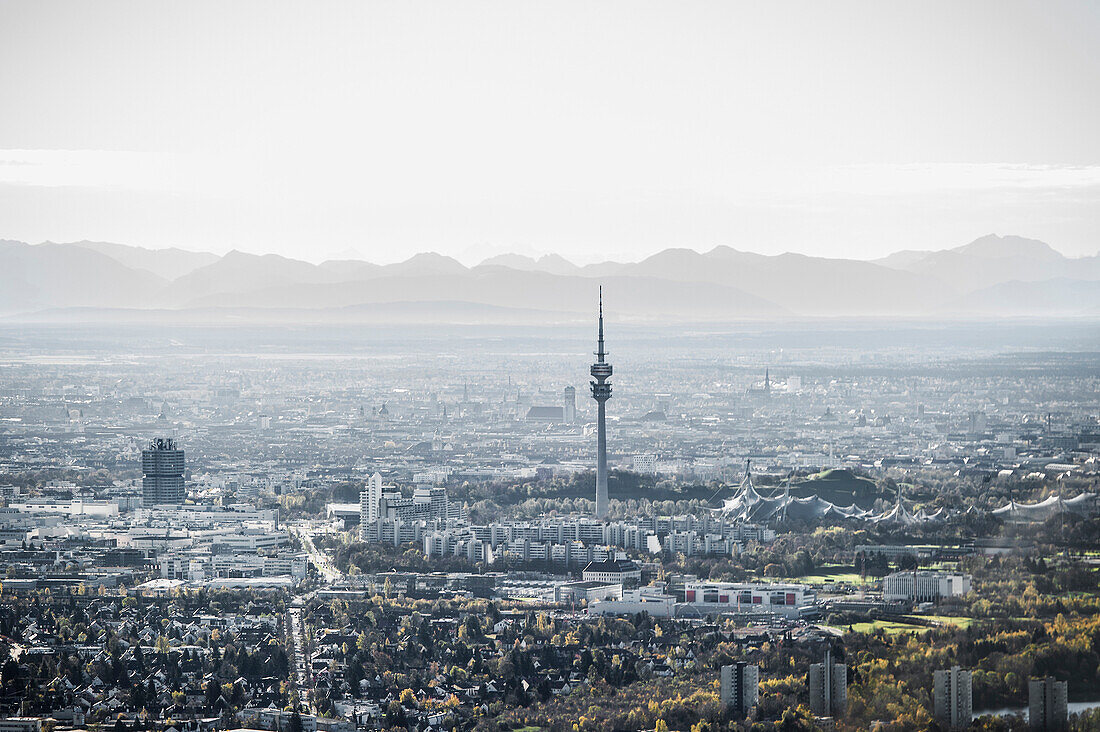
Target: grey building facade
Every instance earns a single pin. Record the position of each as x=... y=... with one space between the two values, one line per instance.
x=1048 y=704
x=953 y=697
x=828 y=687
x=740 y=688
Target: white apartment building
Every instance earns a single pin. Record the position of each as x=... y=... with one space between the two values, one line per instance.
x=379 y=504
x=203 y=567
x=690 y=543
x=370 y=500
x=537 y=541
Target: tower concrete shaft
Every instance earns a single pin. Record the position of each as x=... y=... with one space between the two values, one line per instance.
x=601 y=392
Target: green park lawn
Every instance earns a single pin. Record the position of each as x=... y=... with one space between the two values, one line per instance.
x=949 y=620
x=890 y=626
x=900 y=626
x=834 y=573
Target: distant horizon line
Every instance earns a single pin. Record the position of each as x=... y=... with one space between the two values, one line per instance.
x=470 y=263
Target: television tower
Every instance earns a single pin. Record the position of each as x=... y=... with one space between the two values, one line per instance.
x=601 y=392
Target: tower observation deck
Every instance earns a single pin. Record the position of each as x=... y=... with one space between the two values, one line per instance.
x=601 y=392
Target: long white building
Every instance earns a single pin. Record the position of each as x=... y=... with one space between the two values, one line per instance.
x=924 y=586
x=550 y=539
x=199 y=567
x=788 y=600
x=650 y=600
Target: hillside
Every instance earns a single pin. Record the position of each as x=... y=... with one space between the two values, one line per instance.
x=842 y=487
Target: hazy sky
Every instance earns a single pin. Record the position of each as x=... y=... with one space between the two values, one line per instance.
x=593 y=129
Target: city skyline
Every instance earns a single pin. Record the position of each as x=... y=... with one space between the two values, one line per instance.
x=295 y=305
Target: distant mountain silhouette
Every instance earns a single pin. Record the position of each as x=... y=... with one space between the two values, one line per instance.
x=64 y=275
x=994 y=259
x=424 y=264
x=552 y=263
x=641 y=297
x=166 y=263
x=352 y=268
x=991 y=276
x=1060 y=296
x=440 y=312
x=801 y=284
x=241 y=272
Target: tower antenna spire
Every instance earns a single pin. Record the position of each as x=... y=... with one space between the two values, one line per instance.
x=599 y=346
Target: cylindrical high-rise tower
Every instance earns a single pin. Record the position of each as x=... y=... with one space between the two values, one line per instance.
x=601 y=392
x=162 y=466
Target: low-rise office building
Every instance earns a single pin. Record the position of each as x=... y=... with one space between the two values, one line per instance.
x=616 y=571
x=649 y=600
x=788 y=600
x=587 y=592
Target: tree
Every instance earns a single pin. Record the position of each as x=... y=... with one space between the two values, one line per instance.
x=213 y=691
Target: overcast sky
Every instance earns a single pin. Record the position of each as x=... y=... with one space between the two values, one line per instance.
x=592 y=129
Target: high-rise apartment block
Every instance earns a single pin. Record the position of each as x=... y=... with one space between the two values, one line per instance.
x=162 y=470
x=740 y=688
x=370 y=500
x=380 y=503
x=829 y=687
x=1048 y=704
x=953 y=698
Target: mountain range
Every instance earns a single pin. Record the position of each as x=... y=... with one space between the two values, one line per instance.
x=991 y=276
